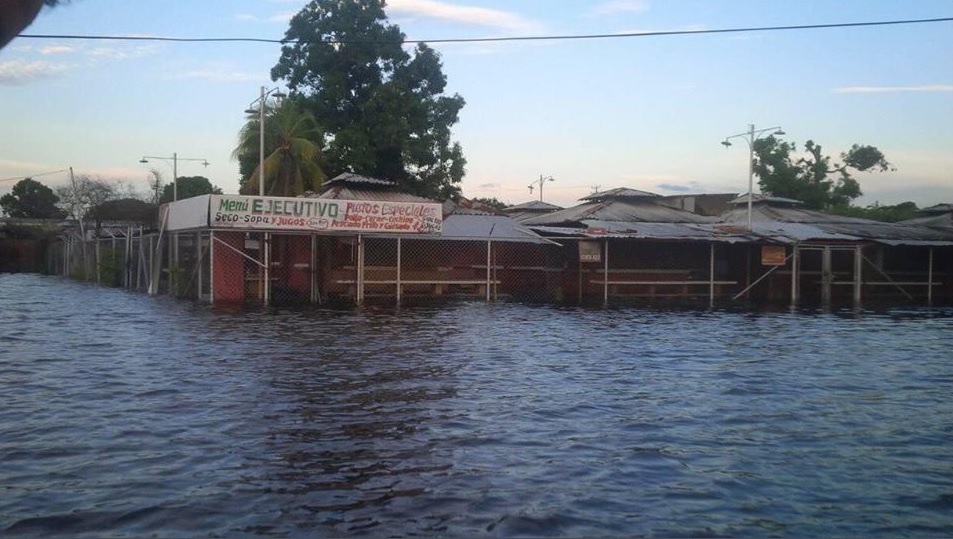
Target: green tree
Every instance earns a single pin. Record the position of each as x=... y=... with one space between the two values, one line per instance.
x=293 y=143
x=126 y=209
x=492 y=202
x=877 y=212
x=813 y=179
x=31 y=199
x=188 y=187
x=383 y=111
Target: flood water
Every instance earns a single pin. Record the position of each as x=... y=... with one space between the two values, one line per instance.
x=125 y=415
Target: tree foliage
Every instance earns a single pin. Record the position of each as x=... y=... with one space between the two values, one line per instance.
x=383 y=111
x=814 y=178
x=188 y=187
x=83 y=194
x=33 y=200
x=126 y=209
x=877 y=212
x=293 y=160
x=492 y=202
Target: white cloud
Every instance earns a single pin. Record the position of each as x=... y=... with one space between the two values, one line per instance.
x=123 y=53
x=245 y=17
x=57 y=49
x=217 y=74
x=20 y=72
x=283 y=17
x=612 y=7
x=477 y=16
x=893 y=89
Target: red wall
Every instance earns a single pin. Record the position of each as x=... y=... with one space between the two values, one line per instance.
x=228 y=268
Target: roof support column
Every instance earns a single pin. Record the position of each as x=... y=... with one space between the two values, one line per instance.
x=930 y=279
x=826 y=277
x=359 y=293
x=211 y=267
x=399 y=286
x=795 y=267
x=489 y=250
x=711 y=276
x=605 y=277
x=858 y=277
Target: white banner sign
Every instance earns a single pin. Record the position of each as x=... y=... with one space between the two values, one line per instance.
x=312 y=214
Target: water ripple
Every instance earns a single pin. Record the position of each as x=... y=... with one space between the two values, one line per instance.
x=126 y=415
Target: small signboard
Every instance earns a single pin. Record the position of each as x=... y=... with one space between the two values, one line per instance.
x=773 y=255
x=311 y=214
x=590 y=251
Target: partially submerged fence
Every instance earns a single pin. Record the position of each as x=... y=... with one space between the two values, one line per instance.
x=259 y=267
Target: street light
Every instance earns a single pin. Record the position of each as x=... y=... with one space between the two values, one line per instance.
x=266 y=289
x=175 y=169
x=750 y=136
x=261 y=131
x=542 y=180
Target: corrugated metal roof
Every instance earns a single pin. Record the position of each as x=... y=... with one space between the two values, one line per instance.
x=758 y=198
x=350 y=177
x=763 y=212
x=628 y=211
x=704 y=232
x=488 y=227
x=798 y=224
x=533 y=206
x=619 y=193
x=942 y=220
x=343 y=192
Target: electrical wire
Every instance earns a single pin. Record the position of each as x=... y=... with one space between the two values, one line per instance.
x=496 y=39
x=34 y=175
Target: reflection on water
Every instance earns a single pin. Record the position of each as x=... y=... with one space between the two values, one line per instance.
x=128 y=415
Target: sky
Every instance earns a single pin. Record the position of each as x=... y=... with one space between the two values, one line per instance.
x=645 y=112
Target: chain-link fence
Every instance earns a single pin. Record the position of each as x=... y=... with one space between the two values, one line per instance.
x=624 y=271
x=362 y=269
x=176 y=264
x=259 y=267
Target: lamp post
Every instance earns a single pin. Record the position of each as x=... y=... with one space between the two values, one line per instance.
x=266 y=292
x=541 y=181
x=175 y=168
x=174 y=244
x=750 y=136
x=261 y=131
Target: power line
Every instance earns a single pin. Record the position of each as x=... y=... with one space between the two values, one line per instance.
x=34 y=175
x=495 y=39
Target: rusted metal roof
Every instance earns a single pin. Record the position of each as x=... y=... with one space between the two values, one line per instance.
x=788 y=224
x=627 y=211
x=699 y=232
x=344 y=192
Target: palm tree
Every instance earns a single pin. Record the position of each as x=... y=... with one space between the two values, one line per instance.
x=293 y=144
